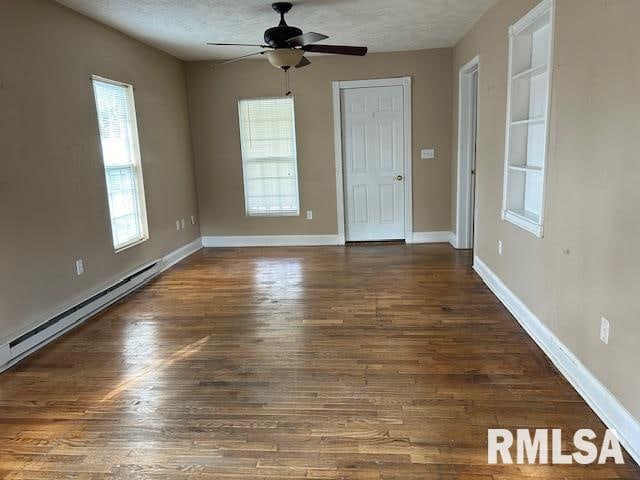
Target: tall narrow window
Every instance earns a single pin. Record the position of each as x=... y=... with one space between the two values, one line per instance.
x=121 y=157
x=269 y=161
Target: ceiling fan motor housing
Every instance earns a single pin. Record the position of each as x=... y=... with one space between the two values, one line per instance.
x=277 y=37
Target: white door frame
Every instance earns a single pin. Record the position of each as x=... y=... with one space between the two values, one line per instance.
x=464 y=215
x=338 y=87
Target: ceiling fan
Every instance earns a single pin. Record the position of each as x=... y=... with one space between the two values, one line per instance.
x=285 y=46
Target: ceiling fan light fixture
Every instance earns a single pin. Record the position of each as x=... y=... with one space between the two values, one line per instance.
x=287 y=45
x=284 y=57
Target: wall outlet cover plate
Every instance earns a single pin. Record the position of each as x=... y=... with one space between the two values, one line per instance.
x=428 y=153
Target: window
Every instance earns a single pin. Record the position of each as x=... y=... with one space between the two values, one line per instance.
x=269 y=162
x=530 y=41
x=121 y=158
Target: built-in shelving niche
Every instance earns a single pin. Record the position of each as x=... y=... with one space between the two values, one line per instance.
x=530 y=66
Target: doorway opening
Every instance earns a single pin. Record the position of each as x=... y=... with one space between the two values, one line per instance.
x=467 y=135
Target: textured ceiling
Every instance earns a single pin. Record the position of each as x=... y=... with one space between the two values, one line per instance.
x=182 y=27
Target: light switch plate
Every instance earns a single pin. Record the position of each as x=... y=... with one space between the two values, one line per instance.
x=428 y=153
x=79 y=267
x=309 y=215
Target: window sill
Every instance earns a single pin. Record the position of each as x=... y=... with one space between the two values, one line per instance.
x=262 y=215
x=133 y=243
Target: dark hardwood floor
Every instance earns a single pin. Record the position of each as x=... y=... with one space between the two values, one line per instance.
x=365 y=362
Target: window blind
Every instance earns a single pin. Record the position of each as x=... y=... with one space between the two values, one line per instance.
x=269 y=161
x=120 y=154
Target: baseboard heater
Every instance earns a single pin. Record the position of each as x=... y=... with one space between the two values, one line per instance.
x=27 y=343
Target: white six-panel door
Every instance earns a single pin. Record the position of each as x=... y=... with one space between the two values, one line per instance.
x=373 y=160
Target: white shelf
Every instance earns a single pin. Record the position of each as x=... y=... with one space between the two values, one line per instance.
x=525 y=168
x=532 y=72
x=529 y=121
x=526 y=220
x=526 y=215
x=527 y=132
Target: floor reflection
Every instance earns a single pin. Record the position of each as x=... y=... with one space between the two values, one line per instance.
x=279 y=279
x=155 y=368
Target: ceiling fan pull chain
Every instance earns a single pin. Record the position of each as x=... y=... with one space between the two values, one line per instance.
x=287 y=87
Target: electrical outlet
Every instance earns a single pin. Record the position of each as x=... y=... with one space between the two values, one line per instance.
x=499 y=247
x=604 y=330
x=178 y=225
x=79 y=267
x=193 y=220
x=309 y=215
x=182 y=223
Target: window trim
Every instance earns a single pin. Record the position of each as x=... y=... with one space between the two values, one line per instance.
x=137 y=159
x=248 y=214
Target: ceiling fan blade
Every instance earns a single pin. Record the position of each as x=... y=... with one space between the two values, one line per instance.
x=237 y=45
x=306 y=39
x=303 y=63
x=239 y=58
x=336 y=49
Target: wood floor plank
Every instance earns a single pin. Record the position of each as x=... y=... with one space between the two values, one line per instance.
x=364 y=362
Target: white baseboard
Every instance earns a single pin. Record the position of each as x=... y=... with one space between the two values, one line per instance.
x=603 y=403
x=430 y=237
x=270 y=240
x=458 y=244
x=308 y=240
x=181 y=253
x=453 y=240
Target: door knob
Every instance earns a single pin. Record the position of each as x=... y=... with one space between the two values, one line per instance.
x=399 y=178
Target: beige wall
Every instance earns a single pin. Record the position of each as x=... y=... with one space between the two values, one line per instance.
x=213 y=95
x=586 y=266
x=52 y=191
